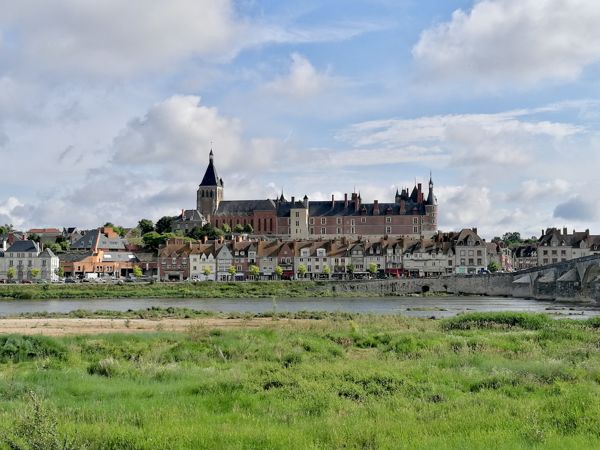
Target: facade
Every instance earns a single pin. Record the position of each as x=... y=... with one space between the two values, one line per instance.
x=555 y=246
x=203 y=264
x=188 y=220
x=98 y=264
x=411 y=214
x=470 y=252
x=29 y=262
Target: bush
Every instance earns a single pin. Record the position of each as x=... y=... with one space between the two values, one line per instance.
x=27 y=348
x=497 y=320
x=106 y=367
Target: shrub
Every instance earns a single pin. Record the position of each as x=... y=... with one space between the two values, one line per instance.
x=106 y=367
x=26 y=348
x=497 y=320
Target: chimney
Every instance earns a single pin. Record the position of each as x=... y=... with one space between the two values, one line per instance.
x=332 y=200
x=375 y=207
x=182 y=211
x=420 y=193
x=345 y=200
x=293 y=200
x=475 y=230
x=565 y=231
x=305 y=201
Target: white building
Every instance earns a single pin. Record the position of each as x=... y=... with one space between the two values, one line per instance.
x=29 y=262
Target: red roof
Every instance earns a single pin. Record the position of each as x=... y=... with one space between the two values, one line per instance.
x=44 y=230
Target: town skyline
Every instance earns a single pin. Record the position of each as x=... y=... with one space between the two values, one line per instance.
x=314 y=99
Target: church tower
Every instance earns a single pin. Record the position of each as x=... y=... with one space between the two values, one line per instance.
x=210 y=191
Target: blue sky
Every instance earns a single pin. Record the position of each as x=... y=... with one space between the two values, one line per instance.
x=107 y=112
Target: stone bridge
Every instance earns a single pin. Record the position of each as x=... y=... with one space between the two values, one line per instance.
x=577 y=280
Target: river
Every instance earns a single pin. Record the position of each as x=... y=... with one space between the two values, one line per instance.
x=410 y=306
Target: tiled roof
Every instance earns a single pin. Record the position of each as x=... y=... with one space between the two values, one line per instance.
x=210 y=176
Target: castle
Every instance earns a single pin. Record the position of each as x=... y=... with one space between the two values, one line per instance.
x=410 y=215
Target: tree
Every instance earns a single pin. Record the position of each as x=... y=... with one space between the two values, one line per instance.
x=254 y=270
x=206 y=271
x=350 y=269
x=11 y=272
x=326 y=270
x=512 y=239
x=226 y=228
x=493 y=267
x=60 y=272
x=65 y=245
x=372 y=268
x=206 y=231
x=238 y=228
x=35 y=273
x=248 y=229
x=56 y=248
x=232 y=271
x=137 y=271
x=278 y=271
x=116 y=228
x=301 y=269
x=146 y=226
x=165 y=224
x=34 y=237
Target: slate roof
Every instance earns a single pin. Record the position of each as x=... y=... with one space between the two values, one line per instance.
x=210 y=176
x=26 y=246
x=325 y=208
x=72 y=256
x=238 y=207
x=97 y=240
x=192 y=216
x=47 y=253
x=119 y=257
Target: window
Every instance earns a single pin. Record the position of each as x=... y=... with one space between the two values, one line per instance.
x=363 y=220
x=352 y=230
x=339 y=231
x=415 y=230
x=415 y=220
x=338 y=221
x=311 y=221
x=479 y=262
x=297 y=223
x=352 y=222
x=388 y=220
x=323 y=220
x=323 y=230
x=388 y=229
x=471 y=261
x=297 y=214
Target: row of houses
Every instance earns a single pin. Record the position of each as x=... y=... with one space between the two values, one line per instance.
x=554 y=246
x=463 y=252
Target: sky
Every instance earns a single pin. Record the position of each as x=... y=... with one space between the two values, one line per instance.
x=108 y=110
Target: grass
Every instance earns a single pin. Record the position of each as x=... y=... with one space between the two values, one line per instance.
x=496 y=380
x=257 y=289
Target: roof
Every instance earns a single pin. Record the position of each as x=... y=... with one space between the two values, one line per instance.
x=119 y=257
x=94 y=240
x=24 y=247
x=45 y=231
x=236 y=207
x=210 y=176
x=190 y=215
x=72 y=256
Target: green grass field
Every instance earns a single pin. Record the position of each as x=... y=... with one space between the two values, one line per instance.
x=475 y=381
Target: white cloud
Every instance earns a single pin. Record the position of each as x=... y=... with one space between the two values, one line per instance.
x=9 y=212
x=463 y=140
x=116 y=38
x=303 y=79
x=514 y=40
x=536 y=190
x=577 y=209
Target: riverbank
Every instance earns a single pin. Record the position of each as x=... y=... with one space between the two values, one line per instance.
x=499 y=380
x=265 y=289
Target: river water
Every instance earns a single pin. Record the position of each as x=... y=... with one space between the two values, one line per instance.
x=410 y=306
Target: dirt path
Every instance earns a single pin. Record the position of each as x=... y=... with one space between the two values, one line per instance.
x=60 y=327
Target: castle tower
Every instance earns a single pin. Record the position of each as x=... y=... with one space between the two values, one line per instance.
x=210 y=191
x=430 y=224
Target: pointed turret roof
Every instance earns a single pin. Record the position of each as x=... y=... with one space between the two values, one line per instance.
x=210 y=176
